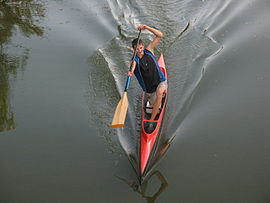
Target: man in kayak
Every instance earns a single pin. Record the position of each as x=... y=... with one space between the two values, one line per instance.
x=147 y=71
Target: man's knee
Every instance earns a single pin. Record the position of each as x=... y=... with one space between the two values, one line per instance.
x=159 y=95
x=161 y=91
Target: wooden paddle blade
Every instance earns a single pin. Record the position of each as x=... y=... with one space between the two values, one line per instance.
x=120 y=112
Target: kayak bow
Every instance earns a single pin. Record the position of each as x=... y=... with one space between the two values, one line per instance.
x=148 y=139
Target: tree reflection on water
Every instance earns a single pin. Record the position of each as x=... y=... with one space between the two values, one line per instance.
x=15 y=17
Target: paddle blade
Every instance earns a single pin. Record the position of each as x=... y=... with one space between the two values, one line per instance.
x=120 y=112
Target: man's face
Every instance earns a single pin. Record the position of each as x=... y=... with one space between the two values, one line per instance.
x=140 y=49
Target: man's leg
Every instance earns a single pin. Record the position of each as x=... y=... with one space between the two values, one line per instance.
x=159 y=93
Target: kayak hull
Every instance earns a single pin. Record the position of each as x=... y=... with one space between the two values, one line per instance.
x=148 y=139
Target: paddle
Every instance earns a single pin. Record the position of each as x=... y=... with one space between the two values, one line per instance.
x=121 y=109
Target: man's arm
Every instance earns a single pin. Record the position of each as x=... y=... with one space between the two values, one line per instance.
x=131 y=73
x=156 y=40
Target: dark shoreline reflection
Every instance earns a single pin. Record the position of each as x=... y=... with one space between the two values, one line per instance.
x=144 y=188
x=15 y=16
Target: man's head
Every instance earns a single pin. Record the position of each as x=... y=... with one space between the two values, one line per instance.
x=140 y=47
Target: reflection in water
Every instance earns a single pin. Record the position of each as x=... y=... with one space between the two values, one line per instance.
x=144 y=188
x=9 y=65
x=15 y=16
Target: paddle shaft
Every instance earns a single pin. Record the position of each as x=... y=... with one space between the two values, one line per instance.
x=133 y=58
x=121 y=109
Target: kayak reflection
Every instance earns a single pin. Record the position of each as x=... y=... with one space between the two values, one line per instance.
x=146 y=185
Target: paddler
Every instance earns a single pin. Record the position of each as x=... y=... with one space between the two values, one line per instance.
x=147 y=71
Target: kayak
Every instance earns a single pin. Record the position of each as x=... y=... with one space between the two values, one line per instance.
x=148 y=138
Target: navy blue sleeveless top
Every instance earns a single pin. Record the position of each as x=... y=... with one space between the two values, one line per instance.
x=148 y=72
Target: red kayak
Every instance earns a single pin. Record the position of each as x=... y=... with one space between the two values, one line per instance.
x=148 y=138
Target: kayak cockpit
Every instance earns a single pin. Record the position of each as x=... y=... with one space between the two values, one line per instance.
x=150 y=125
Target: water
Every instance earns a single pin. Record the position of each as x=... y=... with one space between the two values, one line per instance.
x=63 y=68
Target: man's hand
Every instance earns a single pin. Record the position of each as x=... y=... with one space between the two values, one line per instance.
x=151 y=46
x=142 y=27
x=130 y=73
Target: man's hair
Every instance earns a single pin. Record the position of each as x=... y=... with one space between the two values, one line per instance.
x=135 y=41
